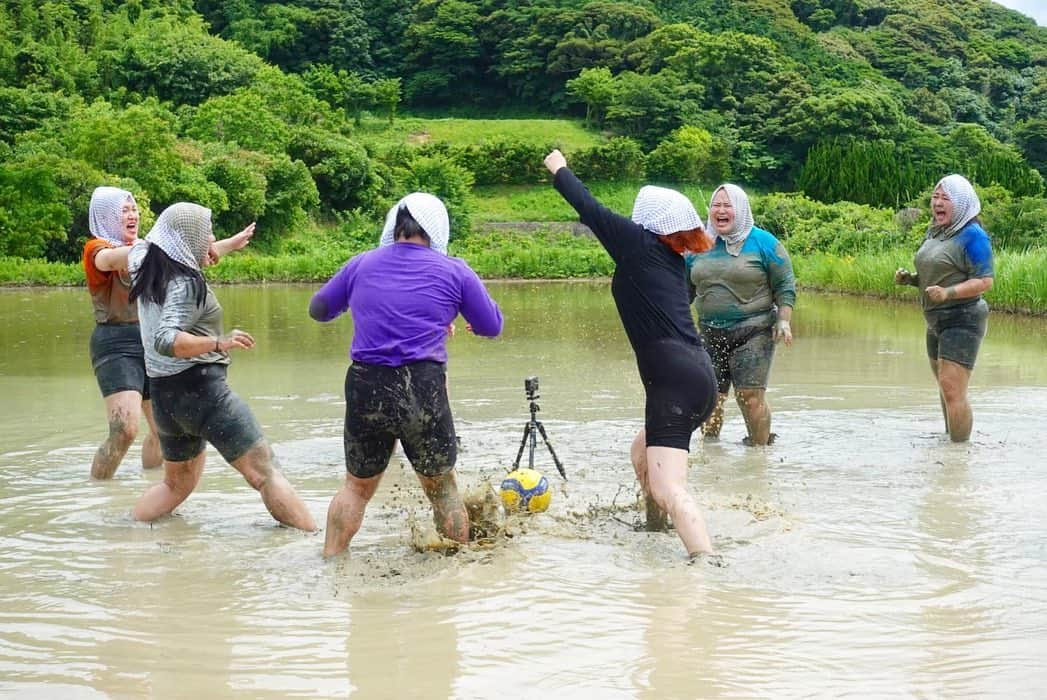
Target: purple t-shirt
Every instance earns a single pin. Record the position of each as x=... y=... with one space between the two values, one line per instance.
x=403 y=297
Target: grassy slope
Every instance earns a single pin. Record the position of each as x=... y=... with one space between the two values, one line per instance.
x=567 y=134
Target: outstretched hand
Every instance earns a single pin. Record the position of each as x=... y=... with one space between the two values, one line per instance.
x=555 y=160
x=240 y=240
x=231 y=244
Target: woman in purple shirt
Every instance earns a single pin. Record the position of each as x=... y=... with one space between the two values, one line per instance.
x=402 y=297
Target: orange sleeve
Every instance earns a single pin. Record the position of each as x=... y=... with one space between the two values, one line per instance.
x=95 y=277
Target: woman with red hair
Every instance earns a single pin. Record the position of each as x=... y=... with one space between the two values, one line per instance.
x=649 y=287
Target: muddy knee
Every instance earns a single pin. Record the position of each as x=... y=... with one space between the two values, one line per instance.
x=257 y=465
x=122 y=432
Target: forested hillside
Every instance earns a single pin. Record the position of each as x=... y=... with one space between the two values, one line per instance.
x=281 y=112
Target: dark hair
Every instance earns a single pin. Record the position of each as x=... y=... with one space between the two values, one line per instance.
x=407 y=227
x=157 y=270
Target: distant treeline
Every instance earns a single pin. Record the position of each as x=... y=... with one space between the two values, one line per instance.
x=287 y=113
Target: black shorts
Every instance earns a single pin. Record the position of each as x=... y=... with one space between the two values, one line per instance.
x=681 y=390
x=197 y=406
x=956 y=333
x=409 y=403
x=741 y=356
x=118 y=359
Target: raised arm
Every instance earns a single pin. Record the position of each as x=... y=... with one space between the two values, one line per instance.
x=112 y=259
x=231 y=244
x=619 y=235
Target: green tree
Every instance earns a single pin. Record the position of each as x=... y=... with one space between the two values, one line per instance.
x=177 y=60
x=443 y=49
x=858 y=113
x=690 y=154
x=242 y=118
x=1031 y=135
x=341 y=89
x=647 y=107
x=596 y=88
x=447 y=180
x=32 y=213
x=651 y=52
x=344 y=174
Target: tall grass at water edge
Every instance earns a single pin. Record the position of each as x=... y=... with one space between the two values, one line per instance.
x=1020 y=283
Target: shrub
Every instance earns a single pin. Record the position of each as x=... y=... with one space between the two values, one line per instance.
x=844 y=228
x=619 y=159
x=344 y=175
x=507 y=162
x=447 y=180
x=32 y=213
x=690 y=154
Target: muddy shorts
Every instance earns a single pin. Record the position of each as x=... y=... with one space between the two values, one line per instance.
x=197 y=406
x=409 y=403
x=741 y=356
x=681 y=390
x=118 y=359
x=956 y=333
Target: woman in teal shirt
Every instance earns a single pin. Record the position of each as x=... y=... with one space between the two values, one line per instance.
x=744 y=295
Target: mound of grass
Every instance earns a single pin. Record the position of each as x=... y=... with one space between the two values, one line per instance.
x=569 y=134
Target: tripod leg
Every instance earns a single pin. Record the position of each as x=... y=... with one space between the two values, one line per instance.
x=556 y=460
x=523 y=443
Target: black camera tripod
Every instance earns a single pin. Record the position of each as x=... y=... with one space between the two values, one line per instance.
x=533 y=428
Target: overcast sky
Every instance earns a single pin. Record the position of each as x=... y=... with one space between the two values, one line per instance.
x=1037 y=9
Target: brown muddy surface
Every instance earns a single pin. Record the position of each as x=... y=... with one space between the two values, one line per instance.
x=865 y=554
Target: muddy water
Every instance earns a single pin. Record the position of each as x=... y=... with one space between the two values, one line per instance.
x=866 y=555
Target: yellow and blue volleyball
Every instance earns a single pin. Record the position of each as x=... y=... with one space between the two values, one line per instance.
x=525 y=490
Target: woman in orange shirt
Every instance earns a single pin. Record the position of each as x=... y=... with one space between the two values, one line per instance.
x=116 y=344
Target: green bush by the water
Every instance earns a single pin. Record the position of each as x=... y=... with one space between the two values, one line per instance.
x=1020 y=282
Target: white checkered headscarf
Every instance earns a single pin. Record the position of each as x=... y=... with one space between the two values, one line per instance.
x=104 y=216
x=663 y=211
x=183 y=231
x=431 y=215
x=743 y=217
x=965 y=204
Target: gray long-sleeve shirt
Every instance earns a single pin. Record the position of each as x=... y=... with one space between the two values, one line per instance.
x=160 y=325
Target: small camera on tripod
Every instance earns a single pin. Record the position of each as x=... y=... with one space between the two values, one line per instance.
x=533 y=429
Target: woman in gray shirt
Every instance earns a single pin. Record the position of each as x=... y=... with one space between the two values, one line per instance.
x=186 y=359
x=954 y=268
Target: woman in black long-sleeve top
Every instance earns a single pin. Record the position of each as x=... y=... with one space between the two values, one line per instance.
x=649 y=287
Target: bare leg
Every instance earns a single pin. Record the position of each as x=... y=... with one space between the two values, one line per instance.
x=180 y=478
x=258 y=466
x=346 y=512
x=953 y=380
x=151 y=455
x=449 y=512
x=756 y=412
x=714 y=423
x=941 y=397
x=665 y=481
x=124 y=410
x=657 y=520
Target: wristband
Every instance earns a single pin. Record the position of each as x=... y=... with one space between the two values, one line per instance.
x=217 y=340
